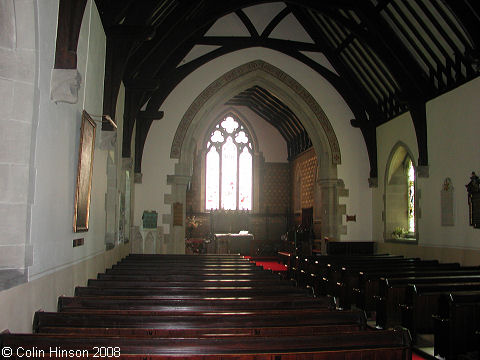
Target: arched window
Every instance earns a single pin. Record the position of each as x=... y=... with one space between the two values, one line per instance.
x=411 y=196
x=400 y=196
x=229 y=167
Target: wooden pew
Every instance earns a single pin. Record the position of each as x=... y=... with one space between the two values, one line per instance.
x=184 y=258
x=392 y=293
x=135 y=312
x=187 y=279
x=362 y=289
x=265 y=303
x=457 y=324
x=388 y=344
x=340 y=271
x=186 y=293
x=250 y=321
x=140 y=282
x=187 y=266
x=320 y=272
x=210 y=333
x=422 y=302
x=172 y=273
x=342 y=281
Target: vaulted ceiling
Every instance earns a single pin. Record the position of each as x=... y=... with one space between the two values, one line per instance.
x=385 y=57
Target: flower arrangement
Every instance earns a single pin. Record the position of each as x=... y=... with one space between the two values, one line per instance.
x=192 y=223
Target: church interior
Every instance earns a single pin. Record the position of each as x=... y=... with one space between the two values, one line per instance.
x=184 y=135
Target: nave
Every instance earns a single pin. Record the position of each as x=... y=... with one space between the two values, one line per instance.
x=201 y=307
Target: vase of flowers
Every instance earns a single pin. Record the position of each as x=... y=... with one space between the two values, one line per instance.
x=192 y=223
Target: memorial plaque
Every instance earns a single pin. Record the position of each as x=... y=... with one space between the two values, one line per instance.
x=446 y=202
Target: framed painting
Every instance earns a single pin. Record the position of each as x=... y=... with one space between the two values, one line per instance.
x=84 y=174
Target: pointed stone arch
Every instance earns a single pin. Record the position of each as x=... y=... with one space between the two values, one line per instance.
x=256 y=72
x=211 y=101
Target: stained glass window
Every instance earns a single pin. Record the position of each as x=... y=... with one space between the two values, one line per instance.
x=212 y=194
x=245 y=180
x=229 y=175
x=228 y=166
x=411 y=196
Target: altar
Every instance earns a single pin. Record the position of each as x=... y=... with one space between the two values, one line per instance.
x=234 y=243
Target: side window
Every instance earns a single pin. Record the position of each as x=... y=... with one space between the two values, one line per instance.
x=400 y=196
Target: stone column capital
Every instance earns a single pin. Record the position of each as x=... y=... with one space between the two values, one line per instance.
x=64 y=85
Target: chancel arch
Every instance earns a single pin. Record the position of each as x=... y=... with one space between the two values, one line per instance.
x=200 y=116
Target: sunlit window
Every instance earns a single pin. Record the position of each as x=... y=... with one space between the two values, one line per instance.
x=401 y=200
x=229 y=175
x=411 y=196
x=212 y=194
x=245 y=181
x=229 y=167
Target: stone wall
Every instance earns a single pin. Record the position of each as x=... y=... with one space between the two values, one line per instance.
x=17 y=89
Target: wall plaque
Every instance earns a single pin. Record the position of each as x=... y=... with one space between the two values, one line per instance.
x=446 y=203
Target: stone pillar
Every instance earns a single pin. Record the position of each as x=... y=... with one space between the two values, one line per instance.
x=126 y=186
x=111 y=202
x=317 y=212
x=331 y=219
x=179 y=185
x=17 y=128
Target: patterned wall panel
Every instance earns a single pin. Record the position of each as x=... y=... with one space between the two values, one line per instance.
x=304 y=168
x=276 y=188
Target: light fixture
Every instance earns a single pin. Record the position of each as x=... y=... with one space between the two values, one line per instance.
x=110 y=120
x=105 y=119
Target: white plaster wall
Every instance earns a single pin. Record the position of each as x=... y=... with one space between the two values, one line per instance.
x=453 y=151
x=354 y=169
x=271 y=143
x=389 y=134
x=20 y=303
x=56 y=149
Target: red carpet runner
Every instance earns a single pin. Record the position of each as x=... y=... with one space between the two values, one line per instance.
x=268 y=264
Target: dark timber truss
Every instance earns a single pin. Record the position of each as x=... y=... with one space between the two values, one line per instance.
x=276 y=113
x=389 y=57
